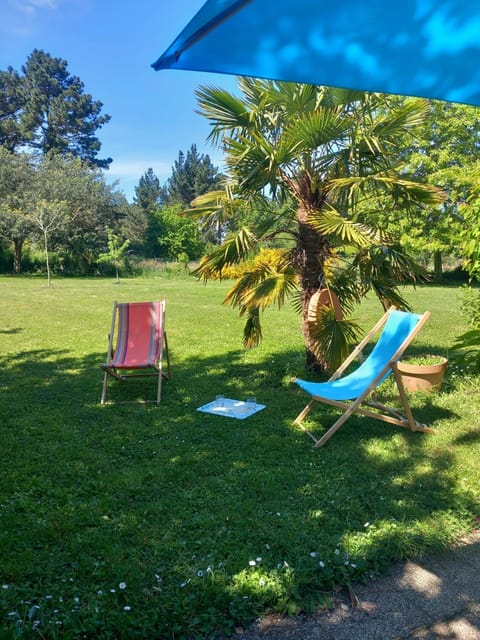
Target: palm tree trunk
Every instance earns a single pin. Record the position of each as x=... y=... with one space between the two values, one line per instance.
x=312 y=251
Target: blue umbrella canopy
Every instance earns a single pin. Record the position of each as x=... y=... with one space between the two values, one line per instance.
x=427 y=48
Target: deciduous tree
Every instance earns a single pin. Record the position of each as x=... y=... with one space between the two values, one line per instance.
x=116 y=254
x=445 y=152
x=16 y=174
x=173 y=234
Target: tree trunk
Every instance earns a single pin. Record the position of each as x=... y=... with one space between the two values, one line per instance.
x=17 y=255
x=47 y=262
x=312 y=251
x=437 y=266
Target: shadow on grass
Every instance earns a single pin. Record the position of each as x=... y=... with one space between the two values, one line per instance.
x=234 y=516
x=471 y=437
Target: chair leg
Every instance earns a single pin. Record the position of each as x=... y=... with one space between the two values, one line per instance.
x=159 y=386
x=412 y=423
x=304 y=412
x=104 y=388
x=109 y=352
x=167 y=353
x=301 y=416
x=335 y=427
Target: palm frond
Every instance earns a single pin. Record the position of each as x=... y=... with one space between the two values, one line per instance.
x=388 y=294
x=409 y=115
x=470 y=338
x=258 y=288
x=211 y=203
x=331 y=339
x=255 y=90
x=263 y=285
x=383 y=269
x=251 y=164
x=343 y=230
x=343 y=281
x=235 y=249
x=311 y=130
x=391 y=261
x=389 y=182
x=225 y=111
x=212 y=199
x=252 y=331
x=273 y=290
x=338 y=97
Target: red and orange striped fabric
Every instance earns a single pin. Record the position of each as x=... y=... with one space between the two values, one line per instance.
x=139 y=335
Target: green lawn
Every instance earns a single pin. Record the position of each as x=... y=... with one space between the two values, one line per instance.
x=132 y=520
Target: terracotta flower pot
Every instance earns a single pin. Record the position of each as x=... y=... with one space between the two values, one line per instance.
x=324 y=298
x=423 y=377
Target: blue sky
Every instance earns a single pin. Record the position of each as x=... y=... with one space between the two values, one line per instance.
x=110 y=47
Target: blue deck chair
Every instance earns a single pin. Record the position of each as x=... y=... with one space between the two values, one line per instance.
x=352 y=391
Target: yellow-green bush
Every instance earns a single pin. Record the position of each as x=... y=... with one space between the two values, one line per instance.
x=266 y=256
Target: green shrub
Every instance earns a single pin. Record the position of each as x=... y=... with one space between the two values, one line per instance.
x=265 y=256
x=466 y=349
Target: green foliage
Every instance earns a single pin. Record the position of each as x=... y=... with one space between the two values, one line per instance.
x=11 y=104
x=466 y=349
x=271 y=257
x=424 y=360
x=333 y=338
x=49 y=216
x=36 y=116
x=320 y=161
x=148 y=268
x=149 y=195
x=16 y=174
x=470 y=305
x=172 y=234
x=467 y=346
x=444 y=151
x=470 y=236
x=133 y=224
x=64 y=198
x=192 y=175
x=116 y=254
x=131 y=520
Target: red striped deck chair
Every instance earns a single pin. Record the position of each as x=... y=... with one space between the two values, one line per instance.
x=141 y=343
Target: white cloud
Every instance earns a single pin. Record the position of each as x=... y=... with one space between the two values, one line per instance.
x=49 y=4
x=31 y=6
x=17 y=17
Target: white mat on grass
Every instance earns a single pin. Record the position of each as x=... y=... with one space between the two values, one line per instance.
x=232 y=408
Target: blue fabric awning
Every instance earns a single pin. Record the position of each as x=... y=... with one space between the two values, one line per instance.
x=428 y=48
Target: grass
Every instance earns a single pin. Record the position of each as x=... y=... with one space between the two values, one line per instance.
x=132 y=520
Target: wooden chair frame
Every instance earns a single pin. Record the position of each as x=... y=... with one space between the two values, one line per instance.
x=145 y=370
x=390 y=415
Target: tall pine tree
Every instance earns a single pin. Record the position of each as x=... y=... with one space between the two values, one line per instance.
x=45 y=109
x=193 y=175
x=149 y=195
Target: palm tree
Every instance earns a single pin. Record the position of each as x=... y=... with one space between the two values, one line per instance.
x=332 y=155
